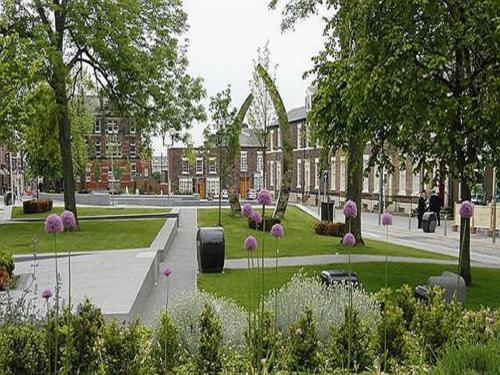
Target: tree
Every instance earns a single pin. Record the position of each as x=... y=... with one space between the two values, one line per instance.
x=261 y=112
x=132 y=47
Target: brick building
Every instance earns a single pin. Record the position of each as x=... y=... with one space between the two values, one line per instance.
x=115 y=152
x=4 y=170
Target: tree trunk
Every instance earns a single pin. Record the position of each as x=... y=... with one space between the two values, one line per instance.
x=465 y=270
x=63 y=120
x=355 y=184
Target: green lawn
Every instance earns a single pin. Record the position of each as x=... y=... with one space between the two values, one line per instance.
x=235 y=284
x=299 y=239
x=93 y=235
x=17 y=212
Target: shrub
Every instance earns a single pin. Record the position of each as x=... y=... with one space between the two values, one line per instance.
x=269 y=221
x=405 y=300
x=165 y=347
x=327 y=304
x=6 y=268
x=329 y=229
x=185 y=311
x=37 y=206
x=208 y=357
x=304 y=343
x=262 y=339
x=470 y=359
x=23 y=350
x=391 y=331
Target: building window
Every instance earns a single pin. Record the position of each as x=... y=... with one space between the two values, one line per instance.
x=213 y=185
x=199 y=166
x=376 y=179
x=243 y=161
x=260 y=161
x=133 y=170
x=271 y=140
x=185 y=166
x=402 y=182
x=316 y=174
x=133 y=151
x=342 y=174
x=299 y=173
x=257 y=182
x=299 y=136
x=278 y=175
x=333 y=174
x=133 y=130
x=87 y=175
x=307 y=175
x=271 y=173
x=308 y=137
x=97 y=149
x=416 y=181
x=278 y=136
x=112 y=127
x=97 y=126
x=185 y=186
x=212 y=166
x=366 y=159
x=111 y=176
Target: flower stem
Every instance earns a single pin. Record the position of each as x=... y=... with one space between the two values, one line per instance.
x=57 y=307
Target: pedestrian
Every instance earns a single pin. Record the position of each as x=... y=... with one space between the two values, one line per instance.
x=422 y=207
x=435 y=205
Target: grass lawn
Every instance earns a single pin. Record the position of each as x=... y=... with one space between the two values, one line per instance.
x=299 y=239
x=93 y=235
x=235 y=284
x=17 y=212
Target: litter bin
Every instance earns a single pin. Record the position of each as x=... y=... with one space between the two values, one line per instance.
x=211 y=250
x=429 y=222
x=7 y=199
x=327 y=211
x=421 y=293
x=339 y=277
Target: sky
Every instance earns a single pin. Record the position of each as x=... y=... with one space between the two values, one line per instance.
x=223 y=39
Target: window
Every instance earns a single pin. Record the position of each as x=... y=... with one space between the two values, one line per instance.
x=316 y=174
x=278 y=136
x=416 y=181
x=342 y=174
x=257 y=182
x=299 y=136
x=299 y=173
x=212 y=166
x=146 y=172
x=376 y=179
x=199 y=165
x=366 y=159
x=260 y=161
x=112 y=127
x=402 y=182
x=271 y=173
x=307 y=175
x=133 y=170
x=243 y=161
x=271 y=140
x=185 y=166
x=87 y=174
x=185 y=185
x=308 y=137
x=133 y=151
x=133 y=129
x=97 y=149
x=111 y=176
x=333 y=174
x=213 y=185
x=97 y=126
x=278 y=175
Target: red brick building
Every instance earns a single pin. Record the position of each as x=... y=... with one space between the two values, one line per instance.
x=4 y=170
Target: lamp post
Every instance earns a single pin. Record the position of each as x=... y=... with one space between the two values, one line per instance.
x=220 y=143
x=494 y=234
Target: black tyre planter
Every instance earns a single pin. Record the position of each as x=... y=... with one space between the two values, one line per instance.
x=269 y=221
x=210 y=249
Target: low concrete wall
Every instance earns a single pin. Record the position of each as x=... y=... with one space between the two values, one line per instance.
x=87 y=199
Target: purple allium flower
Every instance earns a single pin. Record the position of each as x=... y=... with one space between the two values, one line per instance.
x=53 y=224
x=250 y=243
x=264 y=197
x=349 y=239
x=466 y=210
x=350 y=209
x=46 y=294
x=298 y=332
x=277 y=230
x=68 y=219
x=386 y=219
x=167 y=271
x=256 y=217
x=247 y=210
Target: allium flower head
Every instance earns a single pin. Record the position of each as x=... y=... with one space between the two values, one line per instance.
x=53 y=224
x=350 y=209
x=247 y=210
x=349 y=239
x=277 y=230
x=167 y=271
x=46 y=294
x=466 y=210
x=298 y=332
x=250 y=243
x=264 y=197
x=68 y=219
x=386 y=219
x=256 y=217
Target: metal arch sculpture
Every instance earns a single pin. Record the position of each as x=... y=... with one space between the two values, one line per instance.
x=286 y=143
x=234 y=147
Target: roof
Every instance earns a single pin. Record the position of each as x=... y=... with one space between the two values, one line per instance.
x=294 y=115
x=248 y=138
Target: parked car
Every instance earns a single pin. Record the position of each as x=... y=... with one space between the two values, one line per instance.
x=252 y=194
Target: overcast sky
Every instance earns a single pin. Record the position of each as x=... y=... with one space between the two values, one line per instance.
x=223 y=39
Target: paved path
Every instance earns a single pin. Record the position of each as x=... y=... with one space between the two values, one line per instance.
x=182 y=259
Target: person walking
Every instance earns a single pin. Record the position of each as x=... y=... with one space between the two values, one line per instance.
x=422 y=207
x=435 y=206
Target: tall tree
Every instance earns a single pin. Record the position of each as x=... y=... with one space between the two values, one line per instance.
x=132 y=47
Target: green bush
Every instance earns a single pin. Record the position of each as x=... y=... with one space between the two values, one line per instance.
x=406 y=301
x=37 y=206
x=165 y=346
x=208 y=357
x=391 y=332
x=262 y=339
x=470 y=359
x=304 y=343
x=6 y=268
x=23 y=350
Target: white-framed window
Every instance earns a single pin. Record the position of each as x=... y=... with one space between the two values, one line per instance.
x=271 y=173
x=271 y=140
x=299 y=173
x=278 y=138
x=260 y=161
x=185 y=185
x=146 y=172
x=212 y=166
x=416 y=180
x=308 y=136
x=243 y=161
x=316 y=173
x=299 y=136
x=133 y=129
x=307 y=175
x=199 y=165
x=402 y=182
x=112 y=127
x=213 y=185
x=333 y=174
x=278 y=175
x=97 y=126
x=185 y=166
x=342 y=174
x=111 y=175
x=133 y=150
x=87 y=174
x=257 y=182
x=97 y=149
x=366 y=159
x=376 y=178
x=133 y=170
